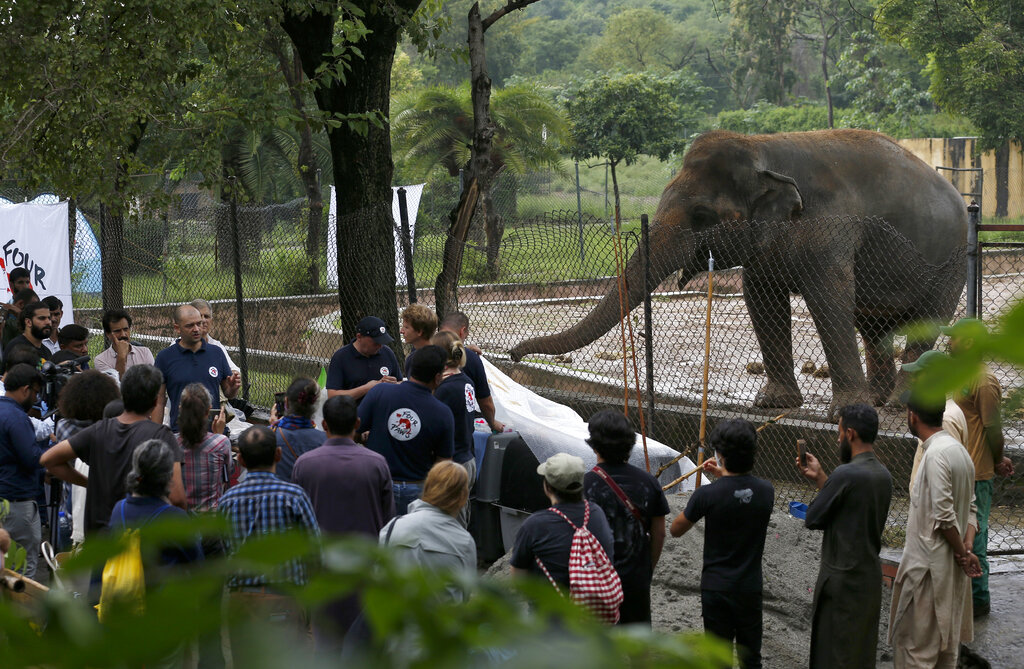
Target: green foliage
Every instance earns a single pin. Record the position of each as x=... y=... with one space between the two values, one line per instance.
x=974 y=51
x=415 y=621
x=767 y=118
x=623 y=116
x=434 y=127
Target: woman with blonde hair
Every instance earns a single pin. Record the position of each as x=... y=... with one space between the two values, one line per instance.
x=429 y=535
x=456 y=391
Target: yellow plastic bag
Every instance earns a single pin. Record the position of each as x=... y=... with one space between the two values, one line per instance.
x=124 y=583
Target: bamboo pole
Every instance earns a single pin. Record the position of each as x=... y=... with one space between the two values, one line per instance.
x=707 y=362
x=684 y=477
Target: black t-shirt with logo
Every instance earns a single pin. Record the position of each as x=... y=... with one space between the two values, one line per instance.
x=107 y=447
x=737 y=510
x=350 y=369
x=457 y=393
x=632 y=540
x=410 y=427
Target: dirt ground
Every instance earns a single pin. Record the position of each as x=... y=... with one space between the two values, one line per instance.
x=790 y=568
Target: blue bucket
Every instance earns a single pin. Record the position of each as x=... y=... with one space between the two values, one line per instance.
x=798 y=510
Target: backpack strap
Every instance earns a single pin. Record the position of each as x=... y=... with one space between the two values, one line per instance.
x=623 y=497
x=391 y=528
x=586 y=515
x=548 y=574
x=285 y=437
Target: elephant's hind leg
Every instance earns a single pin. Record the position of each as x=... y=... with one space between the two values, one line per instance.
x=881 y=368
x=769 y=309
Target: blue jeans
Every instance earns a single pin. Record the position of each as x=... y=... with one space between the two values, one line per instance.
x=405 y=493
x=983 y=498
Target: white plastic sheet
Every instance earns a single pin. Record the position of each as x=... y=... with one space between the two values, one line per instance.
x=548 y=427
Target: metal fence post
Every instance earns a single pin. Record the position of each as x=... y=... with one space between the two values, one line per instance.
x=973 y=258
x=579 y=212
x=243 y=356
x=645 y=237
x=403 y=215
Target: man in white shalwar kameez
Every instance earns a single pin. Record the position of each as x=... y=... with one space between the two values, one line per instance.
x=931 y=600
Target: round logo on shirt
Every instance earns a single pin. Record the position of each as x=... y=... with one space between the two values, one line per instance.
x=384 y=371
x=471 y=404
x=213 y=372
x=404 y=424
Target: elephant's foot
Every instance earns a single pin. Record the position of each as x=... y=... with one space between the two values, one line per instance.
x=882 y=388
x=841 y=398
x=776 y=395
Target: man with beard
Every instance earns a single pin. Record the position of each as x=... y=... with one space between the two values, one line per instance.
x=123 y=354
x=12 y=323
x=19 y=461
x=35 y=327
x=851 y=508
x=930 y=614
x=56 y=308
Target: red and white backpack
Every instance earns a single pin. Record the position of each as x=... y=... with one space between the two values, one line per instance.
x=593 y=581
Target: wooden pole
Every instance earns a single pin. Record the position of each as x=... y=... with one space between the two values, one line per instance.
x=684 y=477
x=707 y=362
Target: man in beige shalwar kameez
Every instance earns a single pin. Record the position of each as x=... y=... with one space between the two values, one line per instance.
x=931 y=599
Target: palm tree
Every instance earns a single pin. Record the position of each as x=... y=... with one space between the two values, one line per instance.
x=433 y=128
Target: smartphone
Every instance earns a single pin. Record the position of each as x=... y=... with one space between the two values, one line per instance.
x=279 y=403
x=801 y=450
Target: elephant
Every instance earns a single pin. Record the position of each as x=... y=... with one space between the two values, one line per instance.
x=871 y=237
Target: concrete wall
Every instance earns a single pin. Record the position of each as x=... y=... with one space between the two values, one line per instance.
x=1002 y=180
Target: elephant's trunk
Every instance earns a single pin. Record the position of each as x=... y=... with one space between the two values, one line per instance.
x=606 y=314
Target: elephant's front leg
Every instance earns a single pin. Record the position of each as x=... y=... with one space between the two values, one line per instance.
x=831 y=302
x=768 y=306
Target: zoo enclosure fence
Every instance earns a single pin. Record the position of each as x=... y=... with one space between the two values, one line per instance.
x=547 y=281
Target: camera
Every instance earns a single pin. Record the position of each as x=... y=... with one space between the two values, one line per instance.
x=55 y=377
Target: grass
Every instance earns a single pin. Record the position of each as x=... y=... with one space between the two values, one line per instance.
x=1001 y=236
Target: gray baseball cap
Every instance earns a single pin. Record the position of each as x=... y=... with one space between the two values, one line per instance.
x=563 y=472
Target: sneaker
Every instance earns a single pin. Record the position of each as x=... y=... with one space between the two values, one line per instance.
x=981 y=610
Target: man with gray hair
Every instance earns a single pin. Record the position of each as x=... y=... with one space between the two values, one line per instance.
x=206 y=311
x=107 y=447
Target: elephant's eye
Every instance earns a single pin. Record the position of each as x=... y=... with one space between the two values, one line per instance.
x=702 y=218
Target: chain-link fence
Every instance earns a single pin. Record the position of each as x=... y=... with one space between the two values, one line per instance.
x=813 y=327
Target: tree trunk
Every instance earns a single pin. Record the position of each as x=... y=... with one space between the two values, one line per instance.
x=362 y=160
x=291 y=68
x=446 y=296
x=483 y=136
x=824 y=71
x=112 y=257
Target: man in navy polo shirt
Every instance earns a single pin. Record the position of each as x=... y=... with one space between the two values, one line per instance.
x=410 y=427
x=457 y=323
x=364 y=362
x=192 y=360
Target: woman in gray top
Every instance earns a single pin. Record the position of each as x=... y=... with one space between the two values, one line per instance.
x=429 y=535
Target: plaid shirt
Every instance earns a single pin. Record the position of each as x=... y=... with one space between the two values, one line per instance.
x=206 y=471
x=264 y=504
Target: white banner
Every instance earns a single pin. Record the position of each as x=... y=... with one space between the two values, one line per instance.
x=412 y=199
x=35 y=236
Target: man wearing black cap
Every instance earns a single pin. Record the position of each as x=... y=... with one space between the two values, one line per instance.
x=364 y=362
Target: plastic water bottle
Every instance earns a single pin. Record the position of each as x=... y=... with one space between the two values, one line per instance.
x=63 y=532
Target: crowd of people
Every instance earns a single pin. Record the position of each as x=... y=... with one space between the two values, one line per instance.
x=393 y=460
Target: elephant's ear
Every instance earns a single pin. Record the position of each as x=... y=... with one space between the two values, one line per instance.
x=779 y=200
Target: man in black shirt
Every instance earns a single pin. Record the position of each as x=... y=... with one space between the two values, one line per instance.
x=738 y=507
x=852 y=508
x=35 y=327
x=107 y=447
x=639 y=529
x=364 y=362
